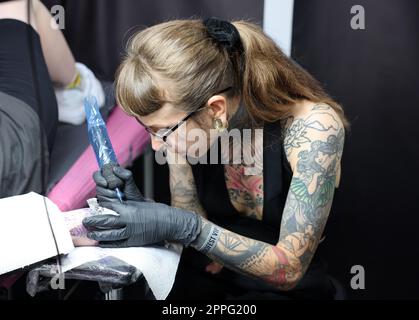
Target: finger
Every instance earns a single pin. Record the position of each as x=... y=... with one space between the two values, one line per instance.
x=108 y=235
x=104 y=192
x=101 y=200
x=103 y=221
x=122 y=173
x=112 y=180
x=99 y=179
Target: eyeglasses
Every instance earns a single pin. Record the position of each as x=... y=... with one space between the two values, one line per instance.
x=163 y=136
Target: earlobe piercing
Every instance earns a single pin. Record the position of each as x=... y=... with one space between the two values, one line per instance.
x=218 y=125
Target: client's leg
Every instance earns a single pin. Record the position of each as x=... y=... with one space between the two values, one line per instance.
x=24 y=72
x=58 y=57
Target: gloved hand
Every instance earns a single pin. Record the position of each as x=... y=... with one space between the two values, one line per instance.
x=116 y=177
x=70 y=99
x=142 y=223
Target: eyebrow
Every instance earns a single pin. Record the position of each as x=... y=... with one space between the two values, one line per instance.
x=154 y=127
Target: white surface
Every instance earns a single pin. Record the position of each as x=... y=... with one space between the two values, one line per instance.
x=25 y=233
x=277 y=22
x=158 y=264
x=26 y=238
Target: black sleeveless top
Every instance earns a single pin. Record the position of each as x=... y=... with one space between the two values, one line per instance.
x=277 y=174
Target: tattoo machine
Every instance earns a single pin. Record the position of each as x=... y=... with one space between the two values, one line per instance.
x=101 y=144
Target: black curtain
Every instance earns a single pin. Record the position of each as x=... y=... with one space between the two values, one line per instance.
x=97 y=30
x=374 y=74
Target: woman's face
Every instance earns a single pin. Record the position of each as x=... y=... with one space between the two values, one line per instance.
x=194 y=136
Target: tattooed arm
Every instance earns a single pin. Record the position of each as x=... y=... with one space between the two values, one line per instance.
x=314 y=158
x=183 y=189
x=314 y=145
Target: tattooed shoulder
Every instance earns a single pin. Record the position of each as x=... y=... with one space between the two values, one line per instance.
x=308 y=123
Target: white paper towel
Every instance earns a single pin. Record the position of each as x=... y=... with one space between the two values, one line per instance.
x=158 y=264
x=29 y=232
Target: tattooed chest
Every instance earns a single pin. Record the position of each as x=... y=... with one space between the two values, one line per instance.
x=245 y=191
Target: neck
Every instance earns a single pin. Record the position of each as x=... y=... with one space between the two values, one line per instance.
x=236 y=113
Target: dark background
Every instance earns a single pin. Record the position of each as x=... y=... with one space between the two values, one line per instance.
x=97 y=30
x=373 y=73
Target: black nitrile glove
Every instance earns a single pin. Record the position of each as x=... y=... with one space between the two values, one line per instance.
x=142 y=223
x=113 y=177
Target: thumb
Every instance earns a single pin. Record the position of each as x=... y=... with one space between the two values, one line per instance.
x=111 y=205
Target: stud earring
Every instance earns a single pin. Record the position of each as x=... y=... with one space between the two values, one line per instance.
x=218 y=125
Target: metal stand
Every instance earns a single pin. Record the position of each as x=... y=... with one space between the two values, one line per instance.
x=148 y=172
x=115 y=294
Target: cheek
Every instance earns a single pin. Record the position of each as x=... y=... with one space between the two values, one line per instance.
x=197 y=140
x=191 y=139
x=185 y=137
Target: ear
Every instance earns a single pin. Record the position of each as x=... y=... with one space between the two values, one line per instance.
x=218 y=107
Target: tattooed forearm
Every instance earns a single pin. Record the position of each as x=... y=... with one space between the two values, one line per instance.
x=183 y=189
x=251 y=257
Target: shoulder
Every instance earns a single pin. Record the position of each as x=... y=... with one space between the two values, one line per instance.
x=312 y=127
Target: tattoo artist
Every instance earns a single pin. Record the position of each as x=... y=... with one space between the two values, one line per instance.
x=258 y=233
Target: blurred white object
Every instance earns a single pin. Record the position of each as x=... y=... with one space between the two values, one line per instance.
x=70 y=101
x=29 y=232
x=158 y=264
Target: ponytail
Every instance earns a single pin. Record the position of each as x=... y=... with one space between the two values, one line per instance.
x=272 y=82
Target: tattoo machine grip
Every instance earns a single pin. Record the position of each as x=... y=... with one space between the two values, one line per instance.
x=101 y=143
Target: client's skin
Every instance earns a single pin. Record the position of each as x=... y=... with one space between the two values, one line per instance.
x=57 y=54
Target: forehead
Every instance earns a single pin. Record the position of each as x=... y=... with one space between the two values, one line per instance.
x=166 y=116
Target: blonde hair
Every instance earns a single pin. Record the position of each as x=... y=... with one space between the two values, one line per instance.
x=178 y=62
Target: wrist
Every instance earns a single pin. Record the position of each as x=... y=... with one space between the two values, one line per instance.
x=188 y=224
x=207 y=239
x=75 y=81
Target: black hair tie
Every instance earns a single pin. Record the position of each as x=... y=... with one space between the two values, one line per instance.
x=225 y=33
